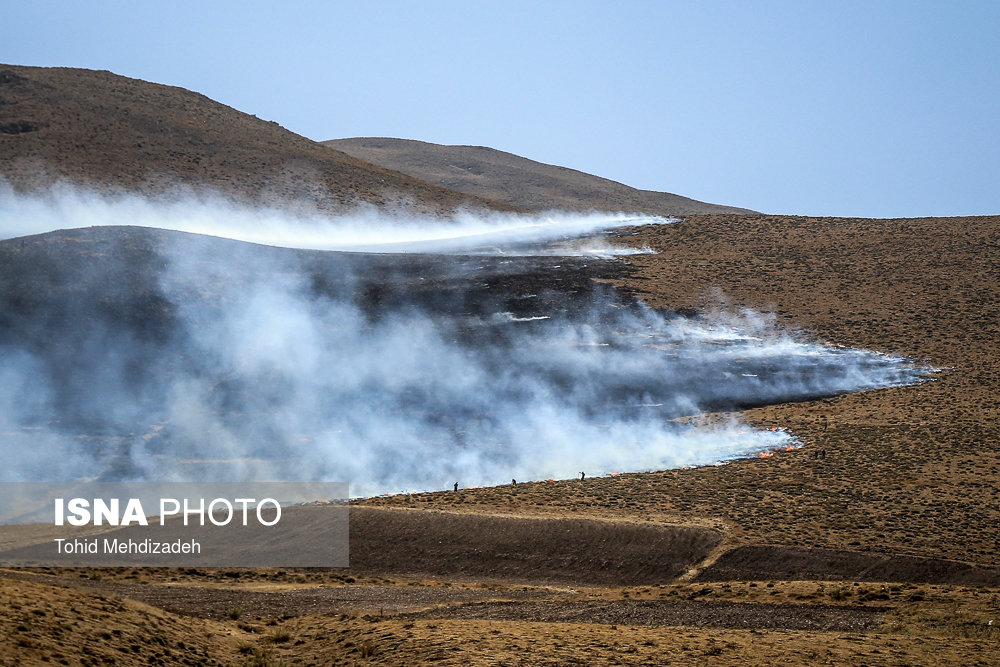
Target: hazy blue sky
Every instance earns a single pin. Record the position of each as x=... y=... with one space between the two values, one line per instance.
x=870 y=108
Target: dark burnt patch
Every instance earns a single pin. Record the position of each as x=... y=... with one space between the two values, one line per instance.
x=801 y=563
x=20 y=127
x=712 y=614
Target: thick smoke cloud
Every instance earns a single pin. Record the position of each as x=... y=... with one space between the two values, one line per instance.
x=250 y=364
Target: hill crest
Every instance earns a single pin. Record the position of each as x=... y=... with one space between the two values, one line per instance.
x=517 y=181
x=114 y=133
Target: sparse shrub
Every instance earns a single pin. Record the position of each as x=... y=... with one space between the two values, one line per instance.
x=262 y=658
x=874 y=595
x=368 y=648
x=840 y=594
x=234 y=613
x=278 y=636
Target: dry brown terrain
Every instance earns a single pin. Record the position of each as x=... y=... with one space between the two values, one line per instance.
x=504 y=177
x=906 y=493
x=907 y=470
x=274 y=618
x=876 y=543
x=117 y=134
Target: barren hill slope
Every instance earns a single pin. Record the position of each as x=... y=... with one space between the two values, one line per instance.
x=492 y=174
x=117 y=133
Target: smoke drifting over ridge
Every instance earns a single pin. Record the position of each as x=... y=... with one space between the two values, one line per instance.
x=366 y=230
x=132 y=353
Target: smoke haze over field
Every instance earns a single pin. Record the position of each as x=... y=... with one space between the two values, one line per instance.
x=367 y=230
x=136 y=354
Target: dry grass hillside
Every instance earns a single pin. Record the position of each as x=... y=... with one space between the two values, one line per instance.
x=121 y=134
x=882 y=551
x=875 y=543
x=188 y=617
x=504 y=177
x=909 y=471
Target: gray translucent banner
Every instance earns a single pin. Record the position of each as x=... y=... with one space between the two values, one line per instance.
x=252 y=524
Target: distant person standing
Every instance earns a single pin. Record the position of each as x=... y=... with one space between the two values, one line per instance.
x=456 y=486
x=582 y=475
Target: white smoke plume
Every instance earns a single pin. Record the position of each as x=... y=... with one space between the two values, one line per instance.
x=250 y=363
x=365 y=230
